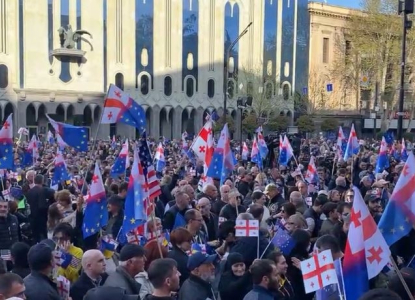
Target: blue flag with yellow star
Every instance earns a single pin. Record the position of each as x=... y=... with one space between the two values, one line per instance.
x=74 y=136
x=96 y=214
x=223 y=160
x=6 y=144
x=399 y=214
x=135 y=212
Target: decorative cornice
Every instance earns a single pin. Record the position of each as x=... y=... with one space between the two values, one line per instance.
x=329 y=14
x=75 y=94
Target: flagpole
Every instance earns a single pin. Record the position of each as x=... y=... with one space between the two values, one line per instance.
x=398 y=272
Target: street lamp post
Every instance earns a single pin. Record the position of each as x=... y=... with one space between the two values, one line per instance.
x=226 y=75
x=405 y=7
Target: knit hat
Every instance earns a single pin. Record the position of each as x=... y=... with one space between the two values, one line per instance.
x=233 y=258
x=130 y=251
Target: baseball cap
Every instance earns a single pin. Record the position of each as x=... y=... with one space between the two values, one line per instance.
x=198 y=258
x=109 y=293
x=372 y=197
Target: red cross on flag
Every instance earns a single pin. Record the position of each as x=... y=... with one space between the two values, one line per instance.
x=247 y=228
x=63 y=287
x=318 y=271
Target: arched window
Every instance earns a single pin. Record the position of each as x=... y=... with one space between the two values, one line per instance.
x=4 y=76
x=119 y=81
x=189 y=87
x=286 y=91
x=167 y=86
x=231 y=89
x=249 y=88
x=268 y=90
x=144 y=84
x=211 y=88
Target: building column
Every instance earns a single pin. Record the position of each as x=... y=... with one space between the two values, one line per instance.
x=198 y=120
x=237 y=123
x=177 y=123
x=155 y=122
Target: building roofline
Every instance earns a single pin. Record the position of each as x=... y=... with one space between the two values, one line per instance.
x=333 y=11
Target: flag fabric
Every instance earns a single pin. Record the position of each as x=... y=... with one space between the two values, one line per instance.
x=196 y=248
x=318 y=271
x=61 y=142
x=74 y=136
x=341 y=143
x=367 y=252
x=255 y=156
x=23 y=131
x=286 y=151
x=399 y=215
x=122 y=162
x=247 y=228
x=352 y=144
x=404 y=154
x=332 y=291
x=108 y=246
x=31 y=153
x=150 y=174
x=60 y=172
x=113 y=142
x=223 y=161
x=203 y=148
x=95 y=215
x=135 y=211
x=185 y=145
x=50 y=138
x=6 y=144
x=5 y=255
x=283 y=240
x=382 y=161
x=389 y=138
x=245 y=151
x=262 y=145
x=214 y=117
x=159 y=157
x=63 y=286
x=120 y=107
x=259 y=129
x=311 y=174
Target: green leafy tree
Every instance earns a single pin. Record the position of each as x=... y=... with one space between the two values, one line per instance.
x=249 y=123
x=305 y=124
x=278 y=123
x=330 y=124
x=218 y=126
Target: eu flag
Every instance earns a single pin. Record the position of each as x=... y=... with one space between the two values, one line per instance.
x=223 y=161
x=283 y=240
x=122 y=162
x=120 y=107
x=399 y=214
x=60 y=173
x=74 y=136
x=6 y=144
x=96 y=215
x=135 y=212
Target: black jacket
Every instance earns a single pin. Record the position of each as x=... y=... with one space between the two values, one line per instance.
x=195 y=288
x=234 y=288
x=40 y=287
x=247 y=247
x=181 y=258
x=229 y=212
x=83 y=285
x=212 y=226
x=9 y=231
x=39 y=199
x=170 y=217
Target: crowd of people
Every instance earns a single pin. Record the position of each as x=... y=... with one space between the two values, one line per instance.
x=189 y=249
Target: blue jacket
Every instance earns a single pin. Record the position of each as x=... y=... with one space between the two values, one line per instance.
x=259 y=293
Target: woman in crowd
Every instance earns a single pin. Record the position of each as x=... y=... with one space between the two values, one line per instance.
x=235 y=281
x=181 y=240
x=55 y=217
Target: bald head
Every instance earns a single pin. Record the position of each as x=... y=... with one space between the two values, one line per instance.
x=203 y=201
x=90 y=256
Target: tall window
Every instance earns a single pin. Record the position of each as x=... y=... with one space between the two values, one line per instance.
x=348 y=48
x=119 y=81
x=268 y=90
x=231 y=89
x=190 y=87
x=4 y=76
x=326 y=45
x=211 y=88
x=167 y=86
x=286 y=91
x=144 y=84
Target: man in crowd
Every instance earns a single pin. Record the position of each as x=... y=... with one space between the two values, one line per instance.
x=164 y=277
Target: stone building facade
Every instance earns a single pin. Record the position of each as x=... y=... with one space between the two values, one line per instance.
x=167 y=54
